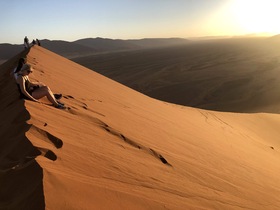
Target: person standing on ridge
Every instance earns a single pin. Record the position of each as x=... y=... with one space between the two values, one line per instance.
x=26 y=42
x=38 y=42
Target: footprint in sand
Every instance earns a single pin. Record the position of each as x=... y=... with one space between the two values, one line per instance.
x=68 y=96
x=46 y=136
x=47 y=153
x=79 y=104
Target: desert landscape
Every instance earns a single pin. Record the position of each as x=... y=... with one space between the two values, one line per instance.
x=238 y=74
x=233 y=74
x=117 y=148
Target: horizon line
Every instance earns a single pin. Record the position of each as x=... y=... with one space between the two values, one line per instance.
x=254 y=35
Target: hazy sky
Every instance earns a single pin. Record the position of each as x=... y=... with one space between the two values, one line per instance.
x=128 y=19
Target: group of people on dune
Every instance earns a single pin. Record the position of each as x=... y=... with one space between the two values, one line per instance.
x=27 y=45
x=33 y=90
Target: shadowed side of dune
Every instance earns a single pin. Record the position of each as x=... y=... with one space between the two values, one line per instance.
x=21 y=185
x=228 y=75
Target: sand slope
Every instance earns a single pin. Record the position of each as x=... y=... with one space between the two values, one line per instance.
x=124 y=150
x=231 y=75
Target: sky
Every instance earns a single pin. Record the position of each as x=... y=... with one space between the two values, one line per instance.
x=71 y=20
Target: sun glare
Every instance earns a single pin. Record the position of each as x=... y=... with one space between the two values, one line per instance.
x=256 y=16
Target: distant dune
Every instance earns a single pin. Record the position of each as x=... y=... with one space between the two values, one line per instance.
x=104 y=45
x=156 y=42
x=236 y=75
x=108 y=45
x=119 y=149
x=8 y=50
x=67 y=49
x=89 y=46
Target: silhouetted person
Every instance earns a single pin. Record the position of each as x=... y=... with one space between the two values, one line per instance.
x=38 y=42
x=26 y=42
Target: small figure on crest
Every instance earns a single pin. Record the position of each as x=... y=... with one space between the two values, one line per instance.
x=26 y=42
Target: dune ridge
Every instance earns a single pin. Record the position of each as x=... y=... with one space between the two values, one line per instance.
x=119 y=149
x=20 y=187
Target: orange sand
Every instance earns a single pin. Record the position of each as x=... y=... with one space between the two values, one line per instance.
x=124 y=150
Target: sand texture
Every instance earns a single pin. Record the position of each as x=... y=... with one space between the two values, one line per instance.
x=119 y=149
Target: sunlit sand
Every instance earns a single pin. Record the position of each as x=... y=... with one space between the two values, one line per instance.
x=124 y=150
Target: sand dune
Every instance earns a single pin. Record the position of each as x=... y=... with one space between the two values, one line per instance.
x=234 y=75
x=119 y=149
x=91 y=46
x=8 y=50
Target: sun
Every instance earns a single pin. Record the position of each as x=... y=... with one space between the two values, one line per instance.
x=256 y=16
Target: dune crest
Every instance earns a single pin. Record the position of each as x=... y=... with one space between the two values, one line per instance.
x=119 y=149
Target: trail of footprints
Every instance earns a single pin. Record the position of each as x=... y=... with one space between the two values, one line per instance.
x=134 y=143
x=118 y=134
x=81 y=104
x=48 y=137
x=58 y=143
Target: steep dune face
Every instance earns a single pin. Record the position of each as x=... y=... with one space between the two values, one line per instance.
x=119 y=149
x=20 y=187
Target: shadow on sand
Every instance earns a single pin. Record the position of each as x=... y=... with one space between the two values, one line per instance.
x=21 y=177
